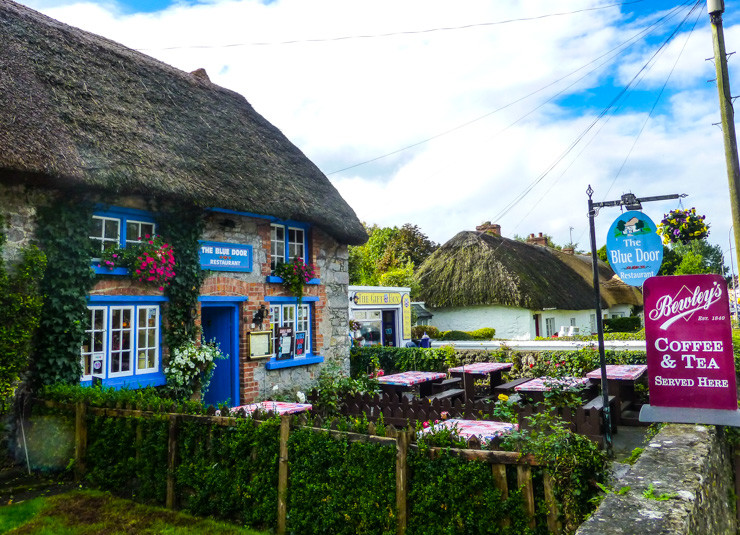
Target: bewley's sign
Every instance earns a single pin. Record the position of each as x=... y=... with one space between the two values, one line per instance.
x=689 y=343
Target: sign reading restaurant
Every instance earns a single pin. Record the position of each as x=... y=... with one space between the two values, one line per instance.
x=634 y=248
x=218 y=256
x=689 y=343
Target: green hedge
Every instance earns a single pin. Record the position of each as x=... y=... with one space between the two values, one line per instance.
x=629 y=324
x=396 y=359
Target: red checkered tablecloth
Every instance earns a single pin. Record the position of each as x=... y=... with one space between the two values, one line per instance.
x=410 y=378
x=545 y=384
x=625 y=372
x=482 y=368
x=278 y=407
x=484 y=430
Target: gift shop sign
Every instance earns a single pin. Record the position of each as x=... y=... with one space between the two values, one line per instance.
x=634 y=248
x=689 y=342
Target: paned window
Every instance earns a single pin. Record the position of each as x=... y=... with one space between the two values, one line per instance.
x=549 y=326
x=118 y=227
x=291 y=315
x=124 y=338
x=286 y=243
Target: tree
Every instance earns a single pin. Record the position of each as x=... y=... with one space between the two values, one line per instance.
x=390 y=255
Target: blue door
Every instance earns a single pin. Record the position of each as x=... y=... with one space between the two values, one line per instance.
x=218 y=323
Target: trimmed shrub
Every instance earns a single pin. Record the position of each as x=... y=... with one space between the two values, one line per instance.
x=486 y=333
x=622 y=325
x=417 y=331
x=455 y=335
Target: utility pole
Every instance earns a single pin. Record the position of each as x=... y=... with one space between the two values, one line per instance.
x=715 y=9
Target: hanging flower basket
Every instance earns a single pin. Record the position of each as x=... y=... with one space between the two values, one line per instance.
x=295 y=274
x=150 y=261
x=683 y=226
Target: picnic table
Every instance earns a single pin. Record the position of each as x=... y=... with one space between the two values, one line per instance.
x=536 y=388
x=483 y=430
x=470 y=372
x=277 y=407
x=621 y=380
x=410 y=381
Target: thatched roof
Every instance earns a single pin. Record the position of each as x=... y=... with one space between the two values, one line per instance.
x=476 y=268
x=81 y=112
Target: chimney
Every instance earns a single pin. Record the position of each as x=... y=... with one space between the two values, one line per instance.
x=537 y=240
x=568 y=250
x=490 y=228
x=201 y=74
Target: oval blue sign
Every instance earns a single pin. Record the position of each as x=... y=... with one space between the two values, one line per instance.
x=634 y=248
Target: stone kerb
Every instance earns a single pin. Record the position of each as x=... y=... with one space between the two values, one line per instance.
x=690 y=463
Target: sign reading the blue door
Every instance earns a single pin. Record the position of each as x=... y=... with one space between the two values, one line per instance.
x=217 y=256
x=634 y=249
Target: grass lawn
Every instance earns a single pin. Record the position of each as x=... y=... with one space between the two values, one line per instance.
x=82 y=512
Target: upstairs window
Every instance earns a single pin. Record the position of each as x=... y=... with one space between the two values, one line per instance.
x=117 y=227
x=286 y=243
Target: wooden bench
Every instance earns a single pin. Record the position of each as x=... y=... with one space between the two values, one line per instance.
x=454 y=382
x=448 y=394
x=597 y=403
x=507 y=388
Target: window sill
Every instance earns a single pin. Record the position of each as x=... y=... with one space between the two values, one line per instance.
x=273 y=364
x=131 y=381
x=105 y=271
x=279 y=280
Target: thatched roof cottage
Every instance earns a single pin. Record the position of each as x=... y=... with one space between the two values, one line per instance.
x=481 y=279
x=88 y=122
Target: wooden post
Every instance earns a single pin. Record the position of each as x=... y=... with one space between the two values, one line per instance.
x=499 y=478
x=171 y=461
x=283 y=475
x=553 y=524
x=80 y=439
x=402 y=446
x=524 y=481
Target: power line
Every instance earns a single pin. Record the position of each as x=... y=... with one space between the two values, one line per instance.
x=623 y=45
x=392 y=34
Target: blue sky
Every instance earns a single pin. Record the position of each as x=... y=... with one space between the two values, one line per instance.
x=496 y=115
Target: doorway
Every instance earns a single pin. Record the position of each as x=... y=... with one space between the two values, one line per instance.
x=220 y=323
x=389 y=328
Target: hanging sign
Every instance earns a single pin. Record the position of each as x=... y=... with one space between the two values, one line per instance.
x=689 y=343
x=218 y=256
x=406 y=317
x=634 y=249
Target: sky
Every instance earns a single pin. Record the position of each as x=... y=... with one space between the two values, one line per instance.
x=447 y=114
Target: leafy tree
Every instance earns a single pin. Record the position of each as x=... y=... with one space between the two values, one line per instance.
x=711 y=254
x=390 y=255
x=691 y=264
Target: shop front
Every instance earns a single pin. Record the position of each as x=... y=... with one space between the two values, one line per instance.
x=383 y=314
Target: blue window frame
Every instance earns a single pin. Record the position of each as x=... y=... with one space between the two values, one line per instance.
x=123 y=341
x=118 y=227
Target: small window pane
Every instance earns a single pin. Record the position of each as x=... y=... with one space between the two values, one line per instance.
x=112 y=229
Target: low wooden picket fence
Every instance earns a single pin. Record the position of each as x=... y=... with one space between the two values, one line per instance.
x=401 y=411
x=402 y=439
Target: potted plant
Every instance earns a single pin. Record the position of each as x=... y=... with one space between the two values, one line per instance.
x=295 y=274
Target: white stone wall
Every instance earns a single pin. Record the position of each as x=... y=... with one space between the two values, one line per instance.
x=509 y=322
x=18 y=208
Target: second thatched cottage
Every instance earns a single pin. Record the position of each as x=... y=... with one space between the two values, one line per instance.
x=101 y=146
x=523 y=290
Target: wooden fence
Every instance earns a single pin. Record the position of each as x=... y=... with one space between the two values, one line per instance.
x=403 y=440
x=401 y=411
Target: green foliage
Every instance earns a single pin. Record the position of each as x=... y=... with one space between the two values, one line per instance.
x=649 y=493
x=572 y=460
x=340 y=487
x=183 y=228
x=389 y=256
x=626 y=325
x=334 y=384
x=190 y=368
x=448 y=495
x=692 y=264
x=149 y=398
x=20 y=308
x=484 y=333
x=577 y=362
x=417 y=331
x=632 y=459
x=295 y=275
x=63 y=232
x=396 y=359
x=455 y=335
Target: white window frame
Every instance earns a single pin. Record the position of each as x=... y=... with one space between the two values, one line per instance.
x=549 y=327
x=138 y=340
x=122 y=217
x=102 y=240
x=294 y=243
x=140 y=233
x=122 y=329
x=291 y=315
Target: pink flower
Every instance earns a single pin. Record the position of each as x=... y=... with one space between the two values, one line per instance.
x=425 y=425
x=161 y=288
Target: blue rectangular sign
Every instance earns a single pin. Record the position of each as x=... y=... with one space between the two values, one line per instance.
x=218 y=256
